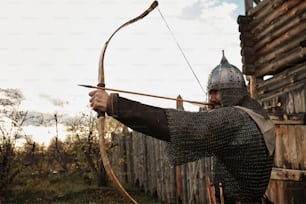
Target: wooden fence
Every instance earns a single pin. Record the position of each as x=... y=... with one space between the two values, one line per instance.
x=140 y=161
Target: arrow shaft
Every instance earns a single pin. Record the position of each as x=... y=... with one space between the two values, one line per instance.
x=146 y=94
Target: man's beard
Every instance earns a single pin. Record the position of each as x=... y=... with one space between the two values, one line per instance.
x=214 y=105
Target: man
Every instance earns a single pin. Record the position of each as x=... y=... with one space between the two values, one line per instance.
x=237 y=132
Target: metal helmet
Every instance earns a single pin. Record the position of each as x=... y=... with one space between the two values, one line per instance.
x=225 y=76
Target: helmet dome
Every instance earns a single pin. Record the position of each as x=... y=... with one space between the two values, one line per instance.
x=225 y=76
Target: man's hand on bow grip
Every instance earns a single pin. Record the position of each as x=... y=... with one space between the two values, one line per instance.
x=98 y=100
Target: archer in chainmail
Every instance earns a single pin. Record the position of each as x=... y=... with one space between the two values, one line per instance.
x=242 y=158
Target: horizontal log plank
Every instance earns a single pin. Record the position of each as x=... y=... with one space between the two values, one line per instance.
x=287 y=174
x=282 y=79
x=280 y=23
x=277 y=10
x=283 y=35
x=282 y=49
x=257 y=9
x=277 y=121
x=282 y=90
x=292 y=58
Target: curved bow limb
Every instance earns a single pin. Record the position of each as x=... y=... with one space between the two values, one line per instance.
x=101 y=115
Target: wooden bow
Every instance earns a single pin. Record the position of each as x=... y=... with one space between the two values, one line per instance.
x=101 y=115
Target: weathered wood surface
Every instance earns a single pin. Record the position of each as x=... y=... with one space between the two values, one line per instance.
x=277 y=33
x=280 y=50
x=271 y=37
x=284 y=95
x=271 y=44
x=287 y=105
x=287 y=192
x=291 y=58
x=179 y=170
x=265 y=20
x=288 y=174
x=140 y=161
x=276 y=30
x=290 y=152
x=251 y=9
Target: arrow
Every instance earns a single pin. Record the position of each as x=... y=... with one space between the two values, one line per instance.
x=199 y=103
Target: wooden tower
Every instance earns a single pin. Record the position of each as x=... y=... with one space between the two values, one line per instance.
x=273 y=50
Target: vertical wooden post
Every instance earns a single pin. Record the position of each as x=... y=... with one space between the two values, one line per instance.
x=179 y=103
x=248 y=4
x=252 y=86
x=178 y=173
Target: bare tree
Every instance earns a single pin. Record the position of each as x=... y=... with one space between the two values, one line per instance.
x=85 y=138
x=59 y=148
x=10 y=130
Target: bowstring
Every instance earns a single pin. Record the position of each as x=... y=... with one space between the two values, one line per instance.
x=181 y=50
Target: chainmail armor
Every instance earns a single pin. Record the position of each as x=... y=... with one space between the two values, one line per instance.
x=240 y=97
x=242 y=162
x=232 y=96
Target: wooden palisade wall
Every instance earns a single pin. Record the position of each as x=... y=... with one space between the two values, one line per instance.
x=140 y=161
x=273 y=38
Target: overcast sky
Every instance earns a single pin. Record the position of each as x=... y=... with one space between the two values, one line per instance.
x=47 y=47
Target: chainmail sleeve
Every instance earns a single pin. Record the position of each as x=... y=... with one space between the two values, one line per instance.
x=143 y=118
x=195 y=135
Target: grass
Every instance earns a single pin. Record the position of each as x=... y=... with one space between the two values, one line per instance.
x=64 y=189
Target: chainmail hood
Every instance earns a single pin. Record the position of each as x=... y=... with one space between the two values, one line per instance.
x=232 y=96
x=241 y=97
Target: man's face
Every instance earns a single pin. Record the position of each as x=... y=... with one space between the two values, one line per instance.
x=215 y=99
